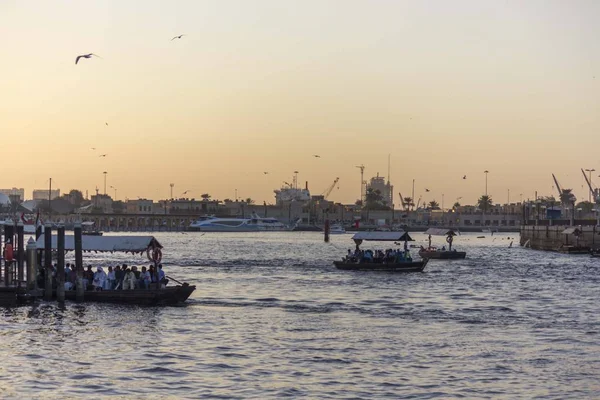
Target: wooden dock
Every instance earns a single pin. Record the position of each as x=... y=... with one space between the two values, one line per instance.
x=560 y=238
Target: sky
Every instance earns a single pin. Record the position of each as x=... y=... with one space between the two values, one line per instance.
x=445 y=88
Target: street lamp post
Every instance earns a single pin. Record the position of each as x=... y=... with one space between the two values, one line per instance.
x=486 y=174
x=590 y=173
x=112 y=187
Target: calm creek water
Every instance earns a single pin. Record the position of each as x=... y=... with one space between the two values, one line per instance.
x=272 y=318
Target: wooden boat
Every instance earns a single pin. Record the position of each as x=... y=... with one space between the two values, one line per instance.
x=169 y=295
x=375 y=265
x=148 y=245
x=441 y=254
x=413 y=266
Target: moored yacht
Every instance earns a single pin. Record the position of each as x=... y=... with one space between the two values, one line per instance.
x=252 y=224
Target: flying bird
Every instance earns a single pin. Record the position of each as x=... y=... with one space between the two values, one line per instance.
x=465 y=177
x=106 y=123
x=266 y=173
x=86 y=56
x=427 y=190
x=177 y=37
x=316 y=156
x=93 y=148
x=102 y=155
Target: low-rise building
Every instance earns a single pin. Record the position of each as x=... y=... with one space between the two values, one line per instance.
x=44 y=194
x=139 y=206
x=102 y=202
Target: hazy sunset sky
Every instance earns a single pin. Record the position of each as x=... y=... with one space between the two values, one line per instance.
x=447 y=88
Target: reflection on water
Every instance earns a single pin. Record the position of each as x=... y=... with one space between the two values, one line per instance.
x=272 y=318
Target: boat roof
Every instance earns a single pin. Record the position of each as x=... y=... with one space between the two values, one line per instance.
x=127 y=244
x=440 y=232
x=571 y=231
x=399 y=236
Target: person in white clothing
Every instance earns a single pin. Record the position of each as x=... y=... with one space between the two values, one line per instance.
x=99 y=279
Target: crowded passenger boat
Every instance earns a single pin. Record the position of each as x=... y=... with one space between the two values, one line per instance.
x=396 y=260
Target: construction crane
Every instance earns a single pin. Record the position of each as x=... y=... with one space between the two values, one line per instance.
x=593 y=192
x=328 y=191
x=564 y=192
x=404 y=205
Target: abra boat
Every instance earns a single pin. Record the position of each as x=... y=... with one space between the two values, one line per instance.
x=253 y=224
x=403 y=264
x=155 y=295
x=441 y=254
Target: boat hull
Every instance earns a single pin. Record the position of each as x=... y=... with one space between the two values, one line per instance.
x=415 y=266
x=165 y=296
x=443 y=255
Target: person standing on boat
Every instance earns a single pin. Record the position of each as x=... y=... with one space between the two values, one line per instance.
x=162 y=279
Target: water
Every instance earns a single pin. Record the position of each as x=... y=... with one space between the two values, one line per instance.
x=272 y=319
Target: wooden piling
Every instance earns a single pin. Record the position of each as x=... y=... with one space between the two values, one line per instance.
x=8 y=253
x=20 y=254
x=48 y=262
x=326 y=231
x=79 y=289
x=60 y=270
x=32 y=264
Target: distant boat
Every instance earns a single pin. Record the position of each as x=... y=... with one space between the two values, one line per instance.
x=252 y=224
x=337 y=229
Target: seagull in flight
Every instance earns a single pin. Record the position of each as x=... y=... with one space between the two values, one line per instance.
x=106 y=123
x=177 y=37
x=316 y=156
x=427 y=190
x=266 y=173
x=102 y=155
x=86 y=56
x=93 y=148
x=464 y=177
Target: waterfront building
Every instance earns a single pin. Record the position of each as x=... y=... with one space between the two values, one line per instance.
x=17 y=193
x=385 y=188
x=102 y=202
x=139 y=206
x=43 y=194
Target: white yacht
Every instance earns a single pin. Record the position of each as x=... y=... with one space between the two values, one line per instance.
x=252 y=224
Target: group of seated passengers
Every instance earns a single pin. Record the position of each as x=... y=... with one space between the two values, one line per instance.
x=119 y=278
x=378 y=256
x=434 y=249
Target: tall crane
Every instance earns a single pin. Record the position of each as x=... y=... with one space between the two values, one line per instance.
x=564 y=192
x=328 y=191
x=404 y=205
x=593 y=192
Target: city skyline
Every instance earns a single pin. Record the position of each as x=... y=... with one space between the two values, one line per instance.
x=261 y=87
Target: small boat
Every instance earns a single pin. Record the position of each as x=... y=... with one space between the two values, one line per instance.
x=441 y=254
x=405 y=265
x=155 y=295
x=337 y=229
x=89 y=228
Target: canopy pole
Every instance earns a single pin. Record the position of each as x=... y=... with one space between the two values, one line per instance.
x=60 y=270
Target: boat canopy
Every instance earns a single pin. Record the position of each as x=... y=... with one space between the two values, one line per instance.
x=127 y=244
x=440 y=232
x=399 y=236
x=571 y=231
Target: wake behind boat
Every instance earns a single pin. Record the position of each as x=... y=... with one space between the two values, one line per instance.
x=252 y=224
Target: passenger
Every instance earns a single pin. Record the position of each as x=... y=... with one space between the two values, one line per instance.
x=88 y=277
x=144 y=280
x=99 y=279
x=110 y=279
x=153 y=276
x=443 y=248
x=129 y=279
x=119 y=274
x=68 y=284
x=161 y=276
